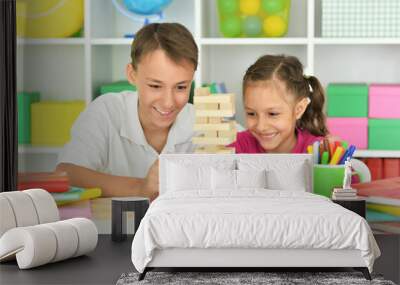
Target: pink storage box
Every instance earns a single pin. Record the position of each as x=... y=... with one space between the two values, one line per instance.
x=353 y=130
x=384 y=101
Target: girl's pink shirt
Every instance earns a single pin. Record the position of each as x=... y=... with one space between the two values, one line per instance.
x=247 y=143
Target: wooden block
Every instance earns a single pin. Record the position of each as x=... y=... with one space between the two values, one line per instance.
x=212 y=141
x=210 y=134
x=215 y=98
x=202 y=91
x=213 y=127
x=227 y=150
x=215 y=120
x=227 y=106
x=214 y=113
x=206 y=106
x=206 y=149
x=227 y=134
x=201 y=120
x=215 y=149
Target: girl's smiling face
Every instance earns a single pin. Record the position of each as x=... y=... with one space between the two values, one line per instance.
x=163 y=88
x=271 y=115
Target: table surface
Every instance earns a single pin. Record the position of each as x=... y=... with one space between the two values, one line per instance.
x=102 y=266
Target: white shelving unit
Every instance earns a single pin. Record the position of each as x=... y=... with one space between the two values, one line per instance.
x=74 y=68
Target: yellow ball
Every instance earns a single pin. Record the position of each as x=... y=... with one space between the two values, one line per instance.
x=274 y=26
x=249 y=7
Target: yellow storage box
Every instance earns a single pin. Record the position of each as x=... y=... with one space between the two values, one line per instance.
x=52 y=121
x=49 y=18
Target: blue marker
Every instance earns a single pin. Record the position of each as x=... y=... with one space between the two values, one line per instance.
x=344 y=157
x=351 y=151
x=349 y=154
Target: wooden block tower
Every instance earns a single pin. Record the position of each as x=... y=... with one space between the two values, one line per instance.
x=213 y=121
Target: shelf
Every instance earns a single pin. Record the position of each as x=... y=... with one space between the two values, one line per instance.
x=377 y=153
x=54 y=41
x=253 y=41
x=28 y=149
x=357 y=41
x=111 y=41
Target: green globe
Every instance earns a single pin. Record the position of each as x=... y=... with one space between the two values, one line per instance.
x=231 y=27
x=252 y=26
x=273 y=6
x=228 y=7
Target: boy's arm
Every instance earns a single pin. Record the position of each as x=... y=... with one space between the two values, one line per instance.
x=112 y=185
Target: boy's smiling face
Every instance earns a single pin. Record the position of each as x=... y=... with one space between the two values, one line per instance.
x=163 y=88
x=271 y=114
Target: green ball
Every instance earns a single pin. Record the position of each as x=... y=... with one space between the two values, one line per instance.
x=228 y=7
x=231 y=27
x=273 y=6
x=252 y=26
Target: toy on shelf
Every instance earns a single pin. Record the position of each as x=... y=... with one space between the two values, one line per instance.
x=214 y=121
x=24 y=101
x=253 y=18
x=49 y=18
x=143 y=11
x=52 y=121
x=116 y=87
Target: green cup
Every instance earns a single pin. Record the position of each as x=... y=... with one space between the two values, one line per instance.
x=327 y=177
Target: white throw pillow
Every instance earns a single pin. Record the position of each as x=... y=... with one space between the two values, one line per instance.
x=183 y=177
x=251 y=178
x=223 y=179
x=293 y=179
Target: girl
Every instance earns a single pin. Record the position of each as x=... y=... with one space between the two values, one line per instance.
x=284 y=108
x=116 y=141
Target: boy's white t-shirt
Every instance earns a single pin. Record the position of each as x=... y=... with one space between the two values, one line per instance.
x=109 y=138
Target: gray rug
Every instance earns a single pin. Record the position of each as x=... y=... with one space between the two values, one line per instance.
x=228 y=278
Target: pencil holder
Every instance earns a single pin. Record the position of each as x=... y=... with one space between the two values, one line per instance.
x=327 y=177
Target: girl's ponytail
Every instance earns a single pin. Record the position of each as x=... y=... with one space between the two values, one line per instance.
x=313 y=118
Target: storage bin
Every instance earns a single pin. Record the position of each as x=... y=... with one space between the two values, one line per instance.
x=24 y=101
x=353 y=130
x=384 y=134
x=253 y=18
x=360 y=18
x=347 y=100
x=117 y=87
x=384 y=101
x=52 y=121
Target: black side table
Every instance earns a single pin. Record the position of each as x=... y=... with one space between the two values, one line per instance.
x=138 y=205
x=357 y=205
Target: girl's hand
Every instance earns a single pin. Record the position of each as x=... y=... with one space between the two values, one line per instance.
x=151 y=183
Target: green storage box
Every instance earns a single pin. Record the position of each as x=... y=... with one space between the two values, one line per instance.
x=384 y=134
x=347 y=100
x=117 y=87
x=24 y=101
x=327 y=177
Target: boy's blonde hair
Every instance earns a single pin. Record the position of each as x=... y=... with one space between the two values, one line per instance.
x=173 y=38
x=289 y=70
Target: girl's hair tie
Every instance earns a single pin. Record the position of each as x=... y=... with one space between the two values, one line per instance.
x=306 y=77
